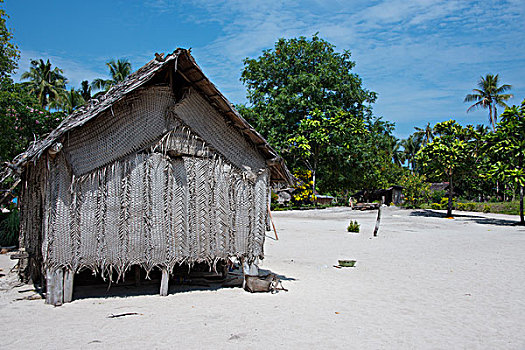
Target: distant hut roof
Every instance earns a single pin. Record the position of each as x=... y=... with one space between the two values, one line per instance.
x=438 y=186
x=185 y=65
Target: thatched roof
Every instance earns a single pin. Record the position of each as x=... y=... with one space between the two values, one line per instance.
x=185 y=65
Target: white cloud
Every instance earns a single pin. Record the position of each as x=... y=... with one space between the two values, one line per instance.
x=422 y=57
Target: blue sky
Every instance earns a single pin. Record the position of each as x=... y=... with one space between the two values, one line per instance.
x=421 y=57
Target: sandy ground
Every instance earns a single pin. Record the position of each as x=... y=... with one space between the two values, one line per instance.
x=425 y=282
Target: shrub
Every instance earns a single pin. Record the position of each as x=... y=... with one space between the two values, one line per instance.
x=444 y=203
x=437 y=195
x=466 y=206
x=415 y=190
x=9 y=227
x=303 y=193
x=353 y=226
x=436 y=206
x=486 y=208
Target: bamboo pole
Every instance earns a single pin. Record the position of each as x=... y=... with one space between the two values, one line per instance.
x=273 y=225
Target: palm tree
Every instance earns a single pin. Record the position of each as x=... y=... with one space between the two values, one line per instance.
x=398 y=156
x=426 y=134
x=119 y=70
x=85 y=90
x=489 y=95
x=411 y=145
x=482 y=129
x=47 y=84
x=71 y=100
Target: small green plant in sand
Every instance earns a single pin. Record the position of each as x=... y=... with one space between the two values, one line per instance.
x=353 y=226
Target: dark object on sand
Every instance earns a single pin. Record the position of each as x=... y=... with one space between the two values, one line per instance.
x=347 y=263
x=268 y=283
x=366 y=206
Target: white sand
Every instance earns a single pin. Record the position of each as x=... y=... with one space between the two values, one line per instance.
x=424 y=283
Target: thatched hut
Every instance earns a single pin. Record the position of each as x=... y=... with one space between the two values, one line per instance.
x=160 y=171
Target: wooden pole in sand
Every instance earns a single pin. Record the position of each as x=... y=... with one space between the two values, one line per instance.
x=164 y=282
x=377 y=221
x=68 y=285
x=55 y=287
x=273 y=225
x=378 y=217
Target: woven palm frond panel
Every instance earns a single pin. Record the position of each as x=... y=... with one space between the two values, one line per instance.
x=31 y=207
x=207 y=123
x=153 y=210
x=128 y=126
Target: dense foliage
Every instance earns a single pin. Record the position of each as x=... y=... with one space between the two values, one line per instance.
x=449 y=156
x=416 y=190
x=9 y=52
x=305 y=99
x=22 y=120
x=506 y=149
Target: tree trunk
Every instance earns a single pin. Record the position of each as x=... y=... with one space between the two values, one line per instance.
x=522 y=220
x=450 y=191
x=520 y=166
x=495 y=114
x=313 y=181
x=492 y=118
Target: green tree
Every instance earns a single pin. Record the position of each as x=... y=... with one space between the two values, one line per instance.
x=489 y=95
x=411 y=146
x=85 y=90
x=320 y=131
x=398 y=156
x=364 y=162
x=449 y=156
x=416 y=189
x=71 y=100
x=426 y=135
x=46 y=83
x=22 y=120
x=118 y=70
x=506 y=148
x=9 y=53
x=299 y=84
x=287 y=83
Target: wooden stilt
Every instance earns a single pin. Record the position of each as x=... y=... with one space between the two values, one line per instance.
x=164 y=283
x=68 y=285
x=55 y=287
x=271 y=219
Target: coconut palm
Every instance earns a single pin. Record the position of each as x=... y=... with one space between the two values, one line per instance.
x=426 y=134
x=85 y=90
x=398 y=156
x=489 y=95
x=411 y=145
x=47 y=83
x=119 y=70
x=71 y=100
